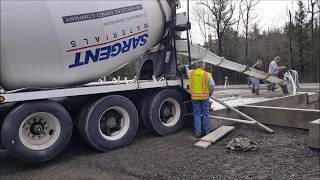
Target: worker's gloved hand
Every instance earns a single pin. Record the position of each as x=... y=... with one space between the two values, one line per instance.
x=210 y=105
x=283 y=67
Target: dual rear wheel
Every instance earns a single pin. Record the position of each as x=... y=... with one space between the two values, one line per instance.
x=39 y=131
x=162 y=112
x=110 y=122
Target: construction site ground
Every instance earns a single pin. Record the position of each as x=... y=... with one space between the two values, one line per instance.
x=282 y=155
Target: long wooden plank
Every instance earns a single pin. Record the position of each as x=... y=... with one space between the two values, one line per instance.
x=202 y=144
x=214 y=136
x=233 y=120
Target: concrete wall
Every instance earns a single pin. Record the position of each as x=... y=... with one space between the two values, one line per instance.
x=293 y=111
x=287 y=117
x=293 y=101
x=223 y=113
x=314 y=134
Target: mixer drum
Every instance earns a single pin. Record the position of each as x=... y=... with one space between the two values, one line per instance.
x=62 y=43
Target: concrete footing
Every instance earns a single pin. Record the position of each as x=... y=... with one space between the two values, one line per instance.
x=300 y=101
x=294 y=111
x=314 y=98
x=287 y=117
x=314 y=134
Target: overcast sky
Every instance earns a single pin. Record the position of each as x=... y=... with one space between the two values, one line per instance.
x=270 y=13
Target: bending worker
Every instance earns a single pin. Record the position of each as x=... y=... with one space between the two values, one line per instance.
x=255 y=81
x=201 y=88
x=274 y=70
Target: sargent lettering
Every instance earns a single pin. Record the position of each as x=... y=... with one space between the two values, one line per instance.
x=108 y=51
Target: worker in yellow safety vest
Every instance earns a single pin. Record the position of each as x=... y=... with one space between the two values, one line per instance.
x=201 y=87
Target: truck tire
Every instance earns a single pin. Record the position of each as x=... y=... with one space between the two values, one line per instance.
x=108 y=123
x=166 y=112
x=37 y=131
x=144 y=106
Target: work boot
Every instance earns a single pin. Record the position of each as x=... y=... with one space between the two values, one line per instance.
x=257 y=91
x=208 y=132
x=269 y=87
x=198 y=136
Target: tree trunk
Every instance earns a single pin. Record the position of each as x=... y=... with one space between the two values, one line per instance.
x=301 y=54
x=247 y=39
x=220 y=47
x=290 y=40
x=313 y=75
x=219 y=41
x=318 y=59
x=220 y=54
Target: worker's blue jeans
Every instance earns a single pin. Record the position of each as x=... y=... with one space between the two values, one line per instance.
x=255 y=82
x=201 y=110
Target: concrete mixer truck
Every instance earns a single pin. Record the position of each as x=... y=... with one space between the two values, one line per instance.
x=52 y=50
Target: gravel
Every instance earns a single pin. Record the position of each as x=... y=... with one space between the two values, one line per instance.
x=282 y=155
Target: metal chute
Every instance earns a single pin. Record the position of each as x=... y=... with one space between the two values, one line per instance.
x=198 y=52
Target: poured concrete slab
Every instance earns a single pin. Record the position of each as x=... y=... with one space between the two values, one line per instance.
x=314 y=134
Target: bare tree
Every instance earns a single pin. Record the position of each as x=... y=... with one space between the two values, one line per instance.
x=220 y=17
x=313 y=11
x=246 y=17
x=201 y=17
x=239 y=16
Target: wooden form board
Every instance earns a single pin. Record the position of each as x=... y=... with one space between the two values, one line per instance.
x=233 y=120
x=214 y=136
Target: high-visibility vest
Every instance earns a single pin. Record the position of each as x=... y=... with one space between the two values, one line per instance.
x=199 y=84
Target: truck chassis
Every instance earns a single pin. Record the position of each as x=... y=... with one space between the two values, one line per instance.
x=37 y=124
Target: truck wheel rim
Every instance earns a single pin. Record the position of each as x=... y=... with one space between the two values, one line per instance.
x=39 y=130
x=114 y=123
x=170 y=112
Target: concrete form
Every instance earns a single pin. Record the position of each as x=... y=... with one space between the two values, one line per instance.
x=291 y=111
x=314 y=134
x=298 y=111
x=300 y=101
x=287 y=117
x=314 y=98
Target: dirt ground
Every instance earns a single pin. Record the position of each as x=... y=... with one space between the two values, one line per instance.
x=282 y=155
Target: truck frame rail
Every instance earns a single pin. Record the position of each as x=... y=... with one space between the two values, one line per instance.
x=88 y=89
